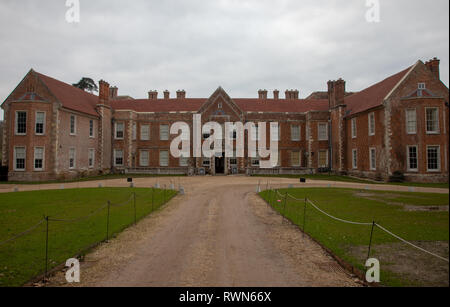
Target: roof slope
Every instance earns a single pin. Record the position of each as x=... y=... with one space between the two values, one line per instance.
x=374 y=95
x=71 y=97
x=246 y=104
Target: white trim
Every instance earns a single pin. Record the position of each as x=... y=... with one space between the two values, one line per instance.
x=318 y=158
x=372 y=167
x=115 y=130
x=401 y=81
x=168 y=158
x=408 y=158
x=140 y=158
x=74 y=157
x=16 y=126
x=184 y=159
x=354 y=165
x=93 y=158
x=372 y=133
x=43 y=124
x=437 y=118
x=93 y=129
x=299 y=153
x=140 y=132
x=326 y=132
x=160 y=132
x=74 y=124
x=354 y=128
x=43 y=159
x=15 y=159
x=406 y=120
x=438 y=159
x=299 y=133
x=115 y=156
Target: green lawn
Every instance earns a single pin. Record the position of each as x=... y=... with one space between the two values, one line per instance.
x=405 y=214
x=24 y=258
x=93 y=178
x=358 y=180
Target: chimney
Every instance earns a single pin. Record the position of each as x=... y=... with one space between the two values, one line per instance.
x=103 y=97
x=336 y=93
x=113 y=91
x=153 y=95
x=166 y=94
x=262 y=94
x=181 y=94
x=276 y=94
x=292 y=94
x=433 y=66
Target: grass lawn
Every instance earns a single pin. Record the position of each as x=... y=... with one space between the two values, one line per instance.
x=421 y=218
x=358 y=180
x=24 y=258
x=102 y=177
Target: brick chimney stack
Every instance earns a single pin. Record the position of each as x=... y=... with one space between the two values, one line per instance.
x=181 y=94
x=262 y=94
x=113 y=92
x=336 y=93
x=153 y=95
x=433 y=66
x=103 y=97
x=166 y=94
x=276 y=94
x=292 y=94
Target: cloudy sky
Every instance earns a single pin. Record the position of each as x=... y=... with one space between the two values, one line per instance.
x=241 y=45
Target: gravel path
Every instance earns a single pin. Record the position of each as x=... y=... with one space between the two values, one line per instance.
x=220 y=233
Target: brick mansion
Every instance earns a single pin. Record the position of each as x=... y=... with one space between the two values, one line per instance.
x=53 y=130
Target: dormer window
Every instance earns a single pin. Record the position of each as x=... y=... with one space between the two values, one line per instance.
x=421 y=87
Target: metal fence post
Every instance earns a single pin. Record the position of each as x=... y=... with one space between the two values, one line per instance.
x=370 y=242
x=107 y=222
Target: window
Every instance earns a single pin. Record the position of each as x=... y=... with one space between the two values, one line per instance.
x=144 y=158
x=145 y=132
x=91 y=128
x=295 y=158
x=164 y=158
x=412 y=158
x=164 y=132
x=118 y=157
x=73 y=125
x=40 y=123
x=133 y=132
x=323 y=132
x=120 y=130
x=432 y=120
x=72 y=155
x=353 y=128
x=371 y=123
x=206 y=162
x=275 y=135
x=355 y=158
x=21 y=122
x=255 y=161
x=323 y=158
x=295 y=133
x=411 y=121
x=421 y=87
x=373 y=159
x=433 y=158
x=19 y=158
x=184 y=161
x=38 y=158
x=91 y=157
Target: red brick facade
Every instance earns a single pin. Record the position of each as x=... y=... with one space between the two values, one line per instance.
x=362 y=134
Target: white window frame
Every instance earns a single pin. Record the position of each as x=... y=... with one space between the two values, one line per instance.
x=326 y=158
x=355 y=158
x=299 y=153
x=43 y=158
x=437 y=120
x=206 y=162
x=371 y=120
x=91 y=132
x=354 y=128
x=16 y=125
x=275 y=137
x=134 y=131
x=160 y=158
x=407 y=111
x=373 y=156
x=438 y=159
x=408 y=157
x=293 y=137
x=91 y=151
x=43 y=123
x=74 y=124
x=141 y=137
x=141 y=152
x=115 y=157
x=325 y=138
x=255 y=162
x=15 y=159
x=74 y=150
x=164 y=137
x=116 y=124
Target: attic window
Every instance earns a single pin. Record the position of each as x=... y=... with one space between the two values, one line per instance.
x=219 y=105
x=421 y=87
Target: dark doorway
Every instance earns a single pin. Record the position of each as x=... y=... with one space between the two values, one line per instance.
x=220 y=165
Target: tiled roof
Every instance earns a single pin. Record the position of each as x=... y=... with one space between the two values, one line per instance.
x=71 y=97
x=374 y=95
x=246 y=104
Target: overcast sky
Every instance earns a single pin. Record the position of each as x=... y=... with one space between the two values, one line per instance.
x=241 y=45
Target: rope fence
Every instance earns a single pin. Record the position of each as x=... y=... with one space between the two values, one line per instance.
x=282 y=199
x=151 y=201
